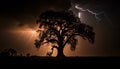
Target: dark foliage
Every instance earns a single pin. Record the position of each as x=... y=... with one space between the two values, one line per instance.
x=8 y=52
x=61 y=28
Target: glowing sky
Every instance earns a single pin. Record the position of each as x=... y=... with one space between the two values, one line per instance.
x=18 y=26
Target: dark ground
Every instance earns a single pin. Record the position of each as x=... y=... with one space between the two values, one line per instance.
x=53 y=63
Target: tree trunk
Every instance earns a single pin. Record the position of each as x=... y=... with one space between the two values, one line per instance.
x=60 y=52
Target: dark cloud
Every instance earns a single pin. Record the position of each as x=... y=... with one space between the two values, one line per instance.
x=26 y=12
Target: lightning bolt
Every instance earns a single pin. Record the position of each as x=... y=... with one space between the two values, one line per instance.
x=77 y=11
x=87 y=10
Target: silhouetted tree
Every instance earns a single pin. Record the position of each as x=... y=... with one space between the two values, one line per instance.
x=4 y=52
x=28 y=54
x=9 y=52
x=61 y=28
x=12 y=52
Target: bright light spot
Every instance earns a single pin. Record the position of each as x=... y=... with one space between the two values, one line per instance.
x=79 y=8
x=33 y=33
x=79 y=14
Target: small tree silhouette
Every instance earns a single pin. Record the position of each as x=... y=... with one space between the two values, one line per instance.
x=28 y=54
x=9 y=52
x=61 y=28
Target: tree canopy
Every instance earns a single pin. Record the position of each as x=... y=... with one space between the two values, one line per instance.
x=61 y=28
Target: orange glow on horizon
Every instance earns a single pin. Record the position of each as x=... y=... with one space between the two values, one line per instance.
x=28 y=35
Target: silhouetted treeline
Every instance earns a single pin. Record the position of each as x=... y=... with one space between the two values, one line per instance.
x=8 y=52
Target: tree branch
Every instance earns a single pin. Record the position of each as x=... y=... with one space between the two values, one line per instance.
x=52 y=41
x=68 y=39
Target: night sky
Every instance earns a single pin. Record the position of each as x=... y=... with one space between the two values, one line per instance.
x=18 y=19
